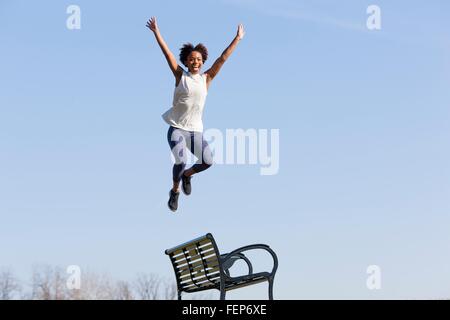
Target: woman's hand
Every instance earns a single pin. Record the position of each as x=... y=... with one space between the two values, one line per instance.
x=240 y=32
x=152 y=25
x=171 y=60
x=217 y=65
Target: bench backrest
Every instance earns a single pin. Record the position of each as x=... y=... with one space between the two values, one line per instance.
x=196 y=264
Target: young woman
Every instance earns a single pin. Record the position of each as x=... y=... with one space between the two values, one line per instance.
x=185 y=116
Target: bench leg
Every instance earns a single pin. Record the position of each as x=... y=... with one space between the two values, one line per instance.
x=222 y=289
x=271 y=289
x=179 y=295
x=222 y=294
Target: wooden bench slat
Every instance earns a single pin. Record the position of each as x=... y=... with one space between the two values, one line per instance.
x=199 y=272
x=201 y=284
x=194 y=271
x=183 y=245
x=185 y=264
x=195 y=260
x=193 y=252
x=190 y=246
x=245 y=284
x=211 y=273
x=210 y=263
x=200 y=280
x=187 y=270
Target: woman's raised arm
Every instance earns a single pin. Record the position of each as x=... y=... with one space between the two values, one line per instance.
x=215 y=68
x=171 y=60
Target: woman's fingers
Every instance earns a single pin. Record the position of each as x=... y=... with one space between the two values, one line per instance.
x=241 y=31
x=151 y=24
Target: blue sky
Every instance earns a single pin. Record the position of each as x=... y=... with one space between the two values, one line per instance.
x=364 y=141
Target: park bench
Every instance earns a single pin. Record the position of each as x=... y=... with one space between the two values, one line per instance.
x=199 y=266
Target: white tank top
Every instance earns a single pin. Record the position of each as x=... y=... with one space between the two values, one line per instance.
x=188 y=103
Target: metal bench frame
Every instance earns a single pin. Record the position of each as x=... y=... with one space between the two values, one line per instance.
x=199 y=266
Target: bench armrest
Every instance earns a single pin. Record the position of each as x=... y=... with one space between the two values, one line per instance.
x=230 y=260
x=226 y=258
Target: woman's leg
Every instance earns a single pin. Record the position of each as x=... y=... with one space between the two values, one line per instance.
x=177 y=142
x=200 y=148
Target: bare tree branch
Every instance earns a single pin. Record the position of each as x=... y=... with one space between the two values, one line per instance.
x=9 y=285
x=50 y=283
x=147 y=286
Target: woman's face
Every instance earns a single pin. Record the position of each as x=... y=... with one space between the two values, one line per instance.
x=194 y=62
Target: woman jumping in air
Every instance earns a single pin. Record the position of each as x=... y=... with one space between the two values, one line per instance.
x=185 y=116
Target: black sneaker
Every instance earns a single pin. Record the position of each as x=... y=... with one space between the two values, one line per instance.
x=186 y=184
x=173 y=200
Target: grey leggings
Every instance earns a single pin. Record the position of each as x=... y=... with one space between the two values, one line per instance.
x=179 y=141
